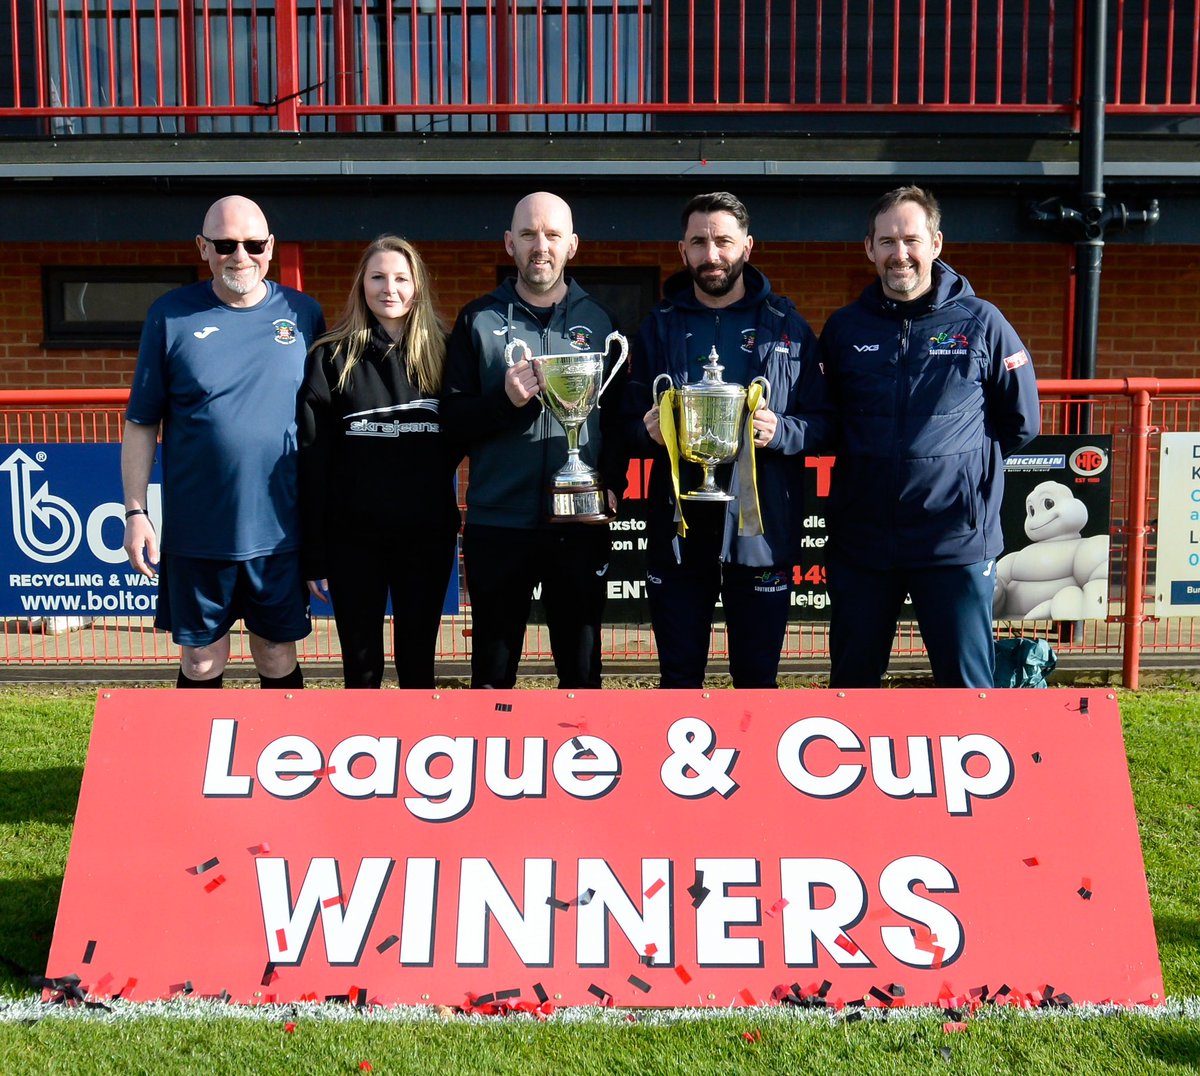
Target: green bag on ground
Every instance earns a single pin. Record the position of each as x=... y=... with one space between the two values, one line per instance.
x=1024 y=662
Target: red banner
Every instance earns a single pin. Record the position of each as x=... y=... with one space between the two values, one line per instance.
x=636 y=848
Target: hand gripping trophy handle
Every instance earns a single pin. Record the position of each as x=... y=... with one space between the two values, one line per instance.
x=569 y=386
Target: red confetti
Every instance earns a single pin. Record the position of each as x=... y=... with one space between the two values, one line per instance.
x=744 y=724
x=281 y=939
x=218 y=880
x=325 y=771
x=752 y=1036
x=366 y=1066
x=777 y=907
x=654 y=889
x=682 y=972
x=289 y=1027
x=1086 y=883
x=748 y=997
x=950 y=1026
x=331 y=901
x=845 y=942
x=651 y=949
x=1032 y=861
x=259 y=849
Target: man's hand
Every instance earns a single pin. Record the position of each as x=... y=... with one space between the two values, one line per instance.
x=765 y=423
x=141 y=545
x=650 y=418
x=319 y=589
x=520 y=383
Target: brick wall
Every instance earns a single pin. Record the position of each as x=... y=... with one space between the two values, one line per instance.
x=1150 y=316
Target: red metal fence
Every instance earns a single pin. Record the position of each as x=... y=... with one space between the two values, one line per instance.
x=200 y=66
x=1134 y=411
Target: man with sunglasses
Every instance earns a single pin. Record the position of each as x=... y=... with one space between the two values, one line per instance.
x=218 y=369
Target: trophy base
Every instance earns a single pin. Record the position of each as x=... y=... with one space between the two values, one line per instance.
x=706 y=495
x=579 y=506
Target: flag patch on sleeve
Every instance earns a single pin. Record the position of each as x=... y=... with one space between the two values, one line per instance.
x=1018 y=358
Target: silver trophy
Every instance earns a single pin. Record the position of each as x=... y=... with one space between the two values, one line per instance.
x=712 y=414
x=569 y=387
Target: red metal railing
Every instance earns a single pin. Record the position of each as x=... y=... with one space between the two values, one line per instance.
x=1135 y=411
x=195 y=66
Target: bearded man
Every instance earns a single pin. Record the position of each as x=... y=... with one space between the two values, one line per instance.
x=720 y=301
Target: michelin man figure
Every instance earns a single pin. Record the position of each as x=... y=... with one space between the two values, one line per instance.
x=1060 y=575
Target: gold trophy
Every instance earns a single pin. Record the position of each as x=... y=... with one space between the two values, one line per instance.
x=712 y=414
x=570 y=386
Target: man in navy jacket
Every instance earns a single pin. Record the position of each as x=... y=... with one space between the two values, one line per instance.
x=722 y=301
x=933 y=389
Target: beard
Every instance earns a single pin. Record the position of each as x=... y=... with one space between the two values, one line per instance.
x=721 y=284
x=240 y=282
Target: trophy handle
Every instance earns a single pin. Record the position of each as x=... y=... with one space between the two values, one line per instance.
x=766 y=397
x=620 y=358
x=654 y=389
x=512 y=348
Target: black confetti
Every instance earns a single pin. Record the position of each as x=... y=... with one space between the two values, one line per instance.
x=697 y=890
x=207 y=865
x=540 y=993
x=387 y=943
x=506 y=995
x=89 y=952
x=268 y=974
x=640 y=984
x=598 y=991
x=505 y=707
x=1037 y=756
x=561 y=905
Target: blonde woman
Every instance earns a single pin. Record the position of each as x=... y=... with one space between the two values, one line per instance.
x=378 y=511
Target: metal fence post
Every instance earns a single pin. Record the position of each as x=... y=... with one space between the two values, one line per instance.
x=1135 y=529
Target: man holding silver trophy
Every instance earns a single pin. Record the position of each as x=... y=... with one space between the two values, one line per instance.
x=526 y=367
x=726 y=397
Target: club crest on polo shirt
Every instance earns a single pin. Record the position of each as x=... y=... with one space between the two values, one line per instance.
x=748 y=336
x=580 y=337
x=285 y=331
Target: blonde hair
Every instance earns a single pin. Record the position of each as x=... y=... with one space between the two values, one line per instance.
x=424 y=330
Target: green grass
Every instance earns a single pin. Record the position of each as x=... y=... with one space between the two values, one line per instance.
x=43 y=744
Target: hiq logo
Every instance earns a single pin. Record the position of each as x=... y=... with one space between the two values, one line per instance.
x=53 y=511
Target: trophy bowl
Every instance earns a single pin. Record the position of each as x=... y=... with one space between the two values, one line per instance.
x=712 y=414
x=570 y=386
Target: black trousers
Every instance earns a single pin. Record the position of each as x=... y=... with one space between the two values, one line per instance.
x=415 y=572
x=503 y=566
x=683 y=598
x=952 y=606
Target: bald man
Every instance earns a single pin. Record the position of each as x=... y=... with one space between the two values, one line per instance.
x=218 y=370
x=515 y=445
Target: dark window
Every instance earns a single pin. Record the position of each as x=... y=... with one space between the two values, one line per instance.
x=102 y=306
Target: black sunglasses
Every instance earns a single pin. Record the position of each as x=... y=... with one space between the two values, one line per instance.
x=228 y=246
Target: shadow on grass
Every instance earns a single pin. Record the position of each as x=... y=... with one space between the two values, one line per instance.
x=1178 y=943
x=27 y=910
x=49 y=795
x=1174 y=1043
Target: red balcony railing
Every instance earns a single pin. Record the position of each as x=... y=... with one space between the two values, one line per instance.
x=199 y=66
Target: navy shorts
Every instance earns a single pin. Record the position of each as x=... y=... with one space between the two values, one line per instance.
x=199 y=600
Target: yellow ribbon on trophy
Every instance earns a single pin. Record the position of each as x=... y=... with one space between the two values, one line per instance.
x=666 y=427
x=749 y=514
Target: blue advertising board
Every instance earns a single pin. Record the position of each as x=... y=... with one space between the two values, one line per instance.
x=61 y=546
x=61 y=551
